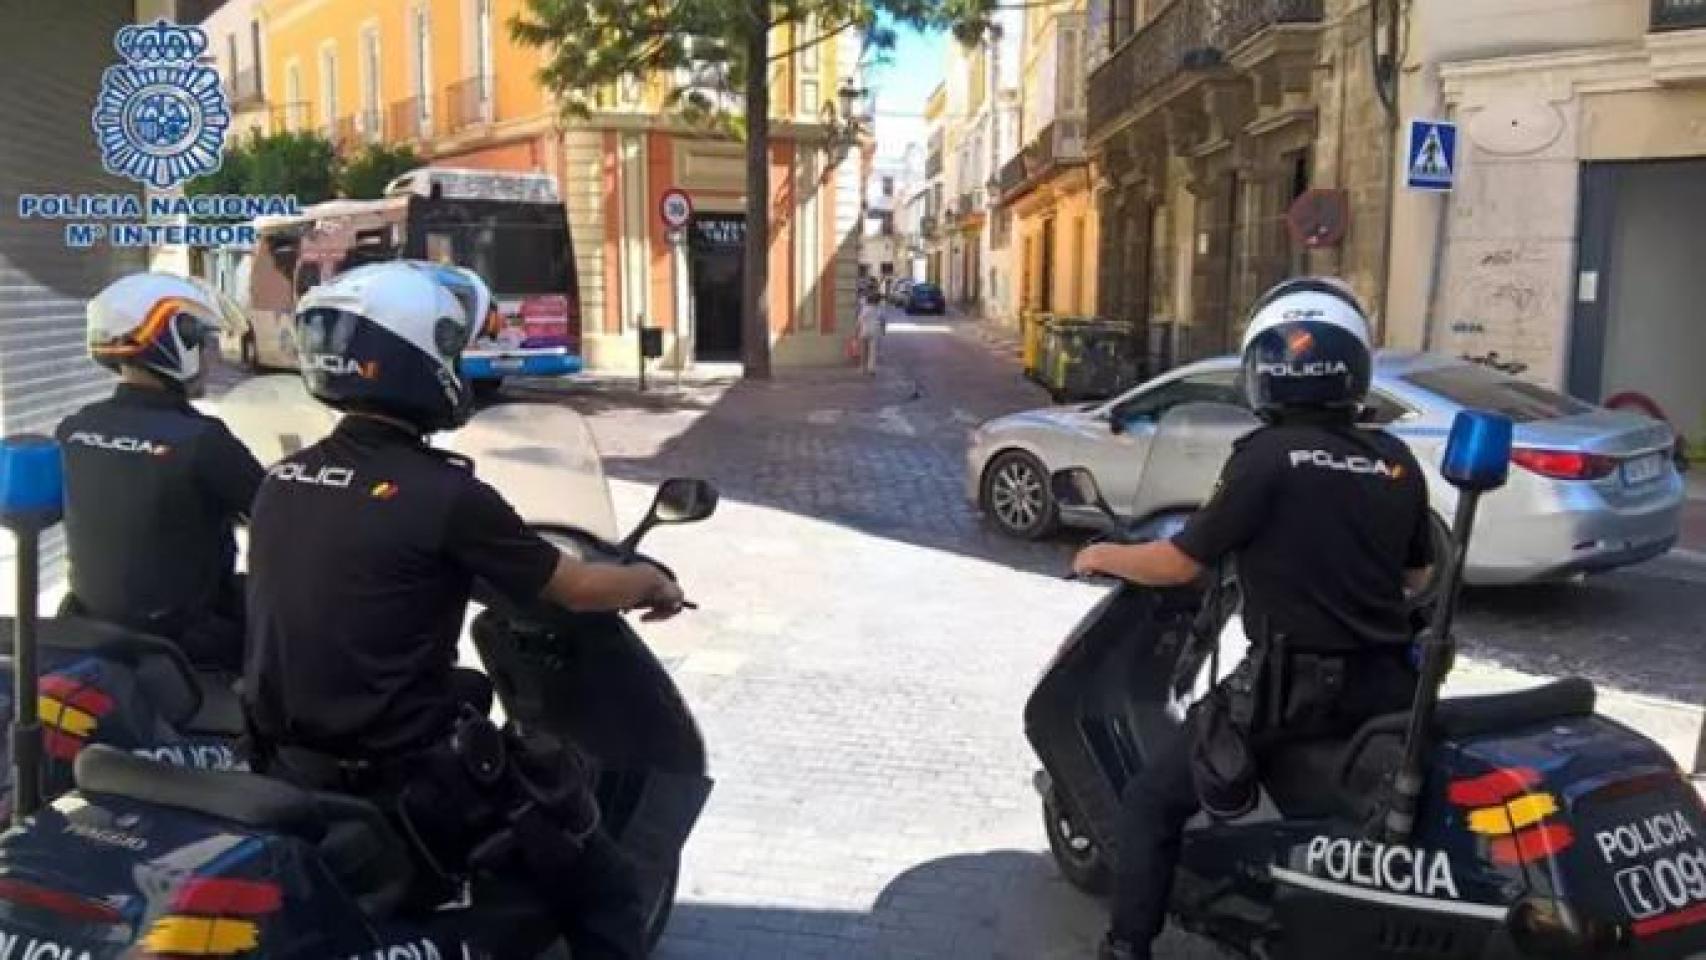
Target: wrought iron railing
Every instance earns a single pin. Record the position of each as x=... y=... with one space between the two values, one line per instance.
x=409 y=119
x=471 y=102
x=290 y=116
x=1678 y=15
x=1187 y=34
x=927 y=227
x=244 y=87
x=1060 y=143
x=345 y=133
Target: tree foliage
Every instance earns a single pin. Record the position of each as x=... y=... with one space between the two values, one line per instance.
x=364 y=176
x=713 y=58
x=304 y=165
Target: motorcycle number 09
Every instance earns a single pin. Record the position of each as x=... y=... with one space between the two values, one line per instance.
x=1672 y=883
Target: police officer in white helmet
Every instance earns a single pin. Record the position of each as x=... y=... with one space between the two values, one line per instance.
x=1328 y=523
x=363 y=554
x=153 y=486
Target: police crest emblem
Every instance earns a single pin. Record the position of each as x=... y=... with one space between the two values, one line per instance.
x=161 y=115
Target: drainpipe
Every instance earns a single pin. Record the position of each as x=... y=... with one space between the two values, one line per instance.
x=1385 y=73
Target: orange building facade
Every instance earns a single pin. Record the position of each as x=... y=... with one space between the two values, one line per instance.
x=446 y=77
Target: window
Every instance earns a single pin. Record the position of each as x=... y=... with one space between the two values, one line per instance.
x=370 y=82
x=809 y=99
x=423 y=68
x=808 y=35
x=1072 y=71
x=307 y=277
x=483 y=48
x=293 y=107
x=1150 y=406
x=255 y=53
x=329 y=86
x=888 y=186
x=1380 y=409
x=231 y=59
x=1474 y=386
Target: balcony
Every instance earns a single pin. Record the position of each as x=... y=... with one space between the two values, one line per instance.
x=1189 y=35
x=290 y=117
x=409 y=119
x=1678 y=15
x=469 y=103
x=1060 y=145
x=244 y=88
x=344 y=133
x=927 y=227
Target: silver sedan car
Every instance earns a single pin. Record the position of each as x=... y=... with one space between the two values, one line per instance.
x=1590 y=490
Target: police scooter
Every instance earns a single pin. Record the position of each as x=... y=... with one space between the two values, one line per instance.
x=1516 y=825
x=148 y=859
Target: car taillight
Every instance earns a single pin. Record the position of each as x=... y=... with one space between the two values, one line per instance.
x=1563 y=464
x=56 y=901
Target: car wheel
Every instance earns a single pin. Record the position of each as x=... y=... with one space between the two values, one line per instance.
x=1078 y=858
x=1016 y=494
x=249 y=353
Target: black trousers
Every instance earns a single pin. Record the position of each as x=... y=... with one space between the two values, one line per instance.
x=1162 y=798
x=594 y=899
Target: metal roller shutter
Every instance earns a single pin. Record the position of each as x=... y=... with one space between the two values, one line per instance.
x=51 y=57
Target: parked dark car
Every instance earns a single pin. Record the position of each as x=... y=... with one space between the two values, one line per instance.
x=925 y=298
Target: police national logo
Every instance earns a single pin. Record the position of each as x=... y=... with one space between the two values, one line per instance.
x=161 y=115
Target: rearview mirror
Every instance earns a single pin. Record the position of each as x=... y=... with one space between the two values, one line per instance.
x=678 y=500
x=684 y=500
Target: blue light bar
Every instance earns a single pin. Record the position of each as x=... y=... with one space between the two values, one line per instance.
x=32 y=482
x=1478 y=455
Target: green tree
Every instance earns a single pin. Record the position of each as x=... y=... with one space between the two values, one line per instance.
x=304 y=165
x=364 y=176
x=724 y=47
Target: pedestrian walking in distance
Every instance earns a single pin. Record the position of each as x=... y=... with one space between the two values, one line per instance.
x=872 y=321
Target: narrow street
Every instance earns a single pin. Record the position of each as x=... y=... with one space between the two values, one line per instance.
x=866 y=643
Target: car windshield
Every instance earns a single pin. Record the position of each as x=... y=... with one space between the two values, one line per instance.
x=1476 y=387
x=925 y=288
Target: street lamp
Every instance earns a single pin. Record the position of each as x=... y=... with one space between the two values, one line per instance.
x=845 y=123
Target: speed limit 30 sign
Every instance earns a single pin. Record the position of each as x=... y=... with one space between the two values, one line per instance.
x=676 y=208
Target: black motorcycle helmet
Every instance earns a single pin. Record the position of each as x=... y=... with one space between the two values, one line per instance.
x=386 y=339
x=1307 y=348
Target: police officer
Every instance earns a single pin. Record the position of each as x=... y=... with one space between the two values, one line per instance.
x=154 y=487
x=1328 y=524
x=364 y=550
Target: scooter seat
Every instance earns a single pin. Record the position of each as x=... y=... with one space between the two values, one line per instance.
x=1326 y=777
x=357 y=844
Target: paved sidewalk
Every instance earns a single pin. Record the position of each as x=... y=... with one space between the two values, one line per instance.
x=866 y=644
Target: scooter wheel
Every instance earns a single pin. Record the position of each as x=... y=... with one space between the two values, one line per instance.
x=1078 y=857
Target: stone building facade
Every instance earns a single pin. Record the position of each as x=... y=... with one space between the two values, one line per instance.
x=1207 y=119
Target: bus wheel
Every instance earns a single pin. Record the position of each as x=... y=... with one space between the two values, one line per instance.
x=487 y=389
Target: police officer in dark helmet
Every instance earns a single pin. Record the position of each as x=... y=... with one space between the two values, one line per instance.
x=364 y=551
x=1328 y=524
x=154 y=487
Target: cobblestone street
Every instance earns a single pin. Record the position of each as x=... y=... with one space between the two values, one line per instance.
x=866 y=643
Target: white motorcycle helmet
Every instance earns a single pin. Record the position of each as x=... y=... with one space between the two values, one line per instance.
x=386 y=338
x=157 y=321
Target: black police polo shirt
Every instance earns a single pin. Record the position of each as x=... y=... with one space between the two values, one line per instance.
x=363 y=551
x=1323 y=520
x=153 y=489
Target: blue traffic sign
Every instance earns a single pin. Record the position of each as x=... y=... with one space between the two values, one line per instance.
x=1432 y=155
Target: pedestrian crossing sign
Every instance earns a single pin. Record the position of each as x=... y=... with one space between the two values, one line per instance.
x=1432 y=155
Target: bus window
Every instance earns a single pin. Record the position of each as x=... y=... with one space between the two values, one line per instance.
x=440 y=247
x=307 y=277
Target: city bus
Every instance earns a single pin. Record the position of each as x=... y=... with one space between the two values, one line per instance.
x=510 y=228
